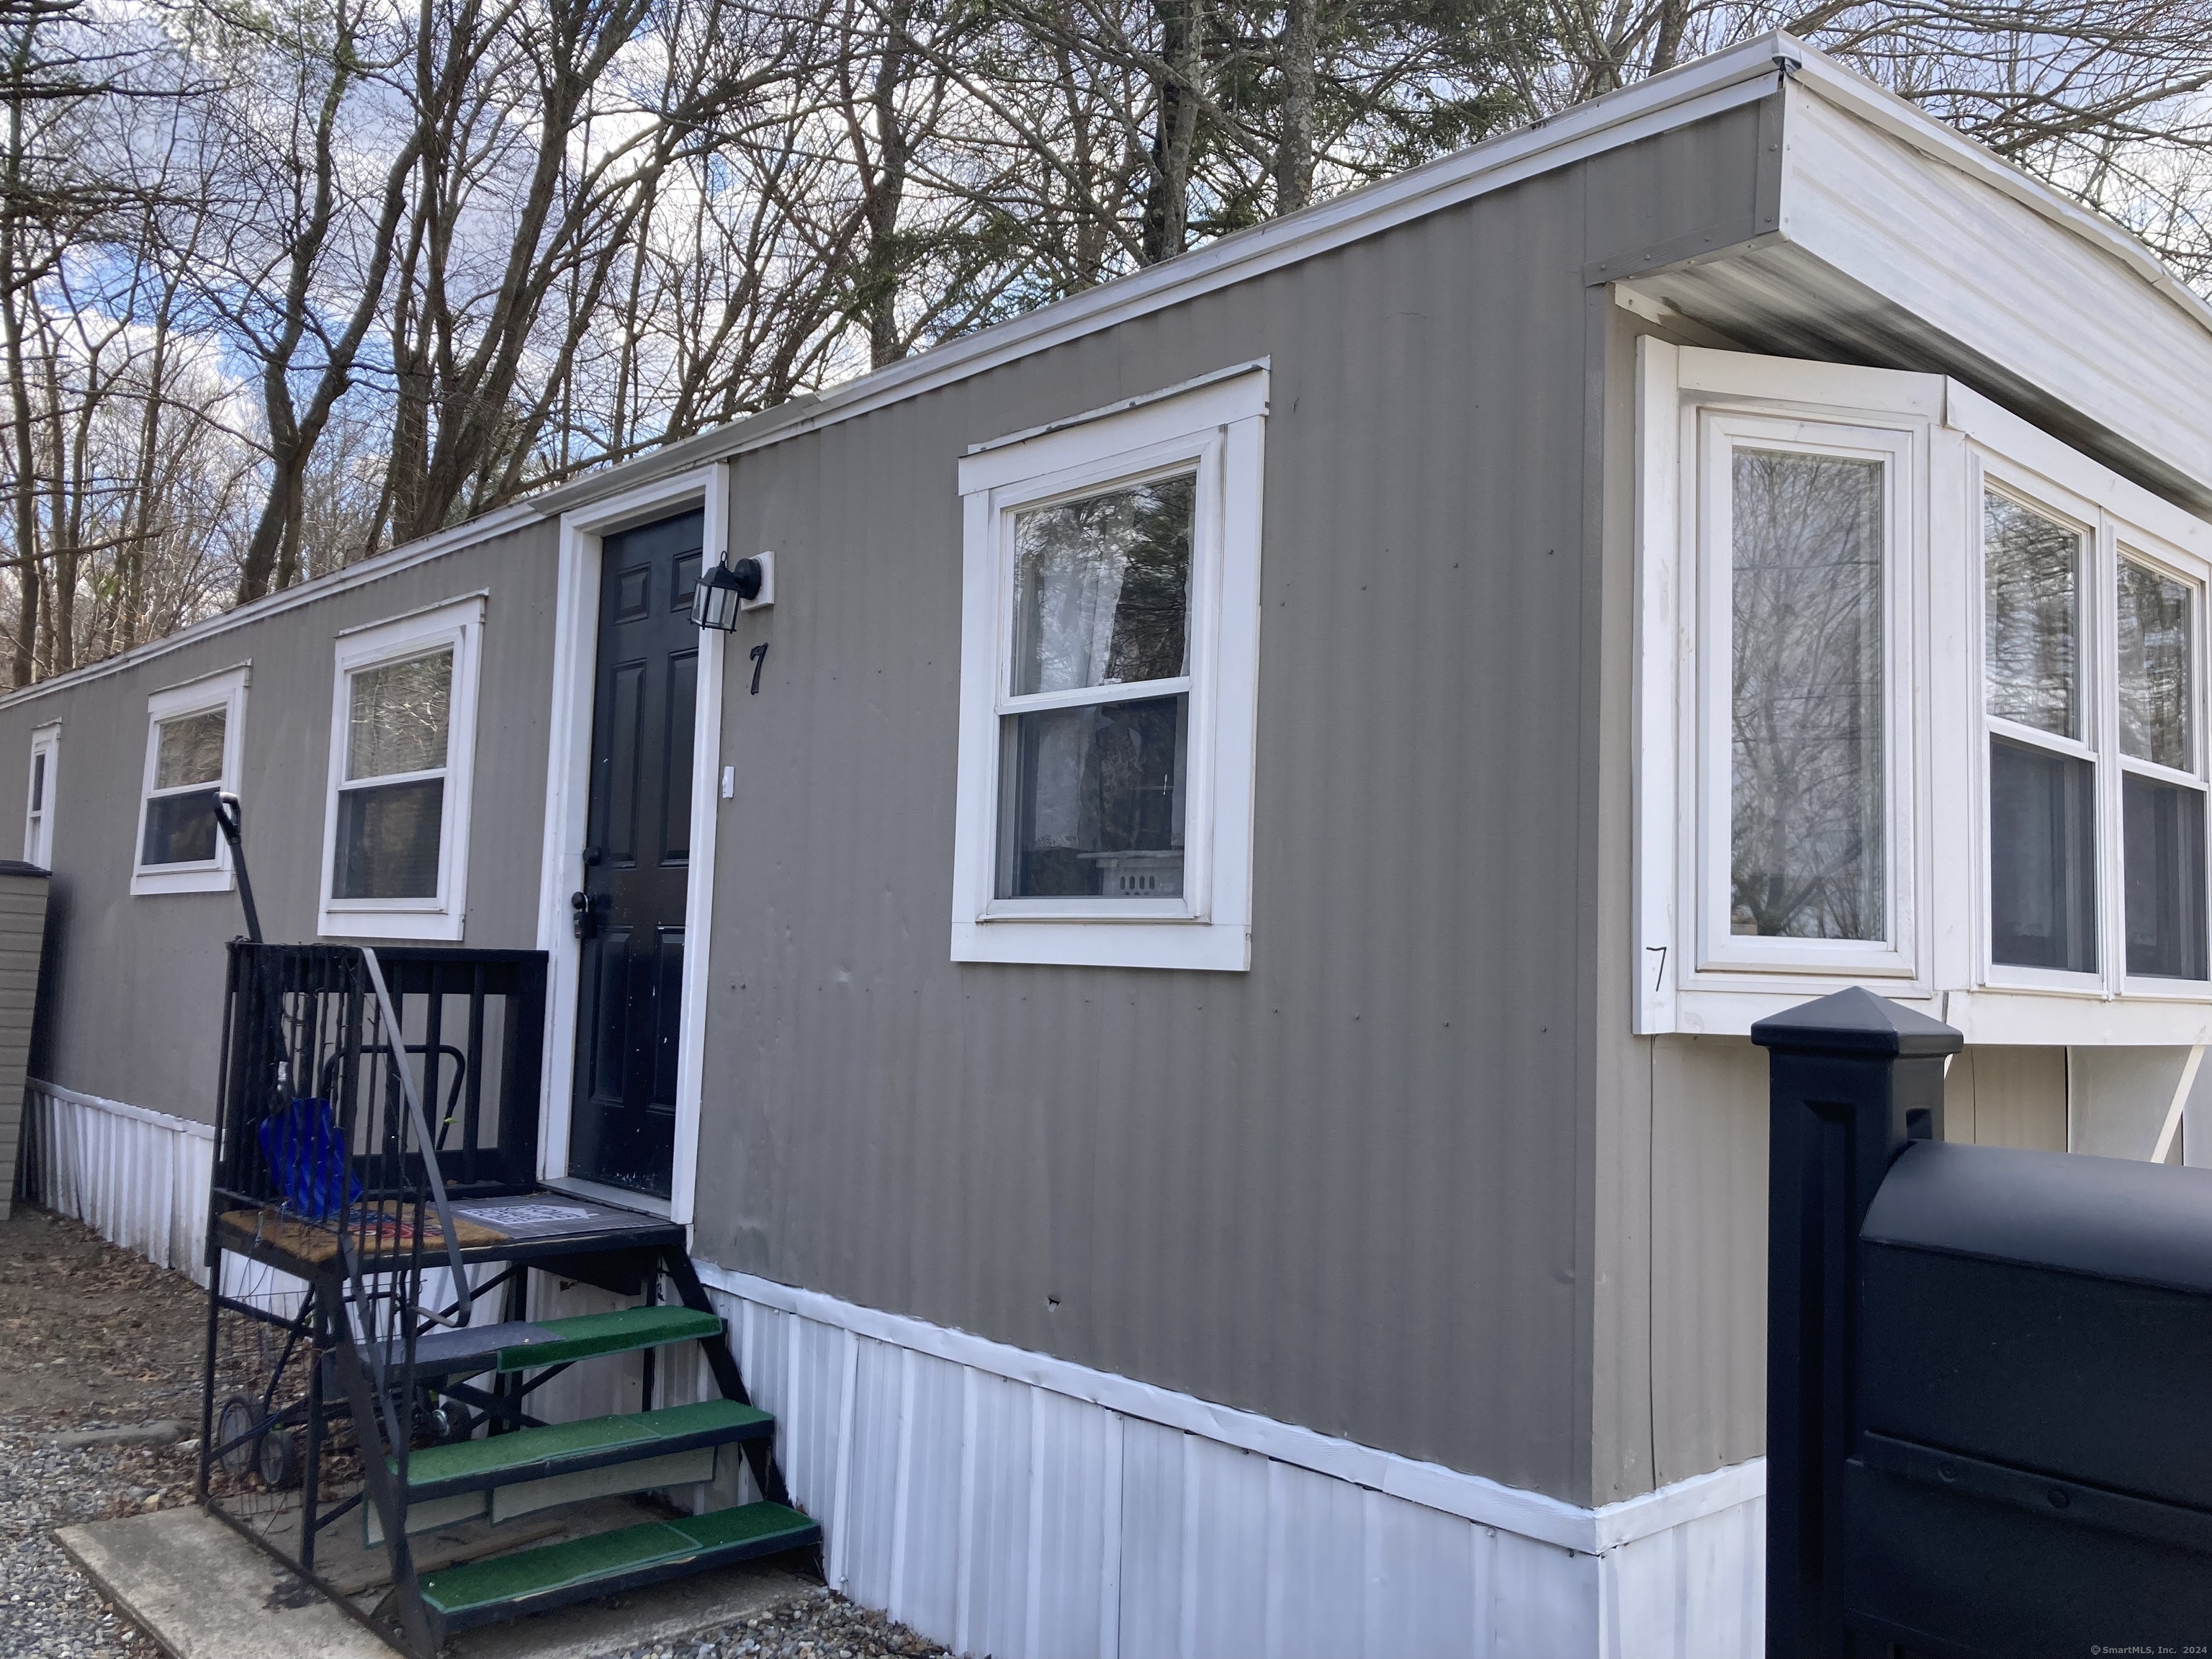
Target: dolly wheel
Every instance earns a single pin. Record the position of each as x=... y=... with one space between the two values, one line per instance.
x=234 y=1423
x=280 y=1459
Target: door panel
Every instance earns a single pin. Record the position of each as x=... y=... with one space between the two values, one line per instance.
x=623 y=1112
x=675 y=794
x=618 y=840
x=668 y=995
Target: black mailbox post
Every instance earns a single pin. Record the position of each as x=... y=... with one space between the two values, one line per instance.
x=1989 y=1371
x=1851 y=1079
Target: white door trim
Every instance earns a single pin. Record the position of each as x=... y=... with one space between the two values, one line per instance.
x=567 y=800
x=699 y=888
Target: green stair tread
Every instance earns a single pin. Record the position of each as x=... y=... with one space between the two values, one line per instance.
x=719 y=1529
x=526 y=1447
x=551 y=1567
x=585 y=1335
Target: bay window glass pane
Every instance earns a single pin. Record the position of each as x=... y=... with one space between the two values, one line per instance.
x=2154 y=672
x=1807 y=849
x=2032 y=608
x=180 y=828
x=2043 y=852
x=2163 y=826
x=189 y=749
x=1102 y=588
x=397 y=716
x=1092 y=802
x=388 y=841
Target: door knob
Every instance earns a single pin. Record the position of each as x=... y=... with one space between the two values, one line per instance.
x=582 y=916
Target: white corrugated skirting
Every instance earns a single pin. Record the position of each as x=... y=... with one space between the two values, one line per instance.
x=137 y=1178
x=1010 y=1504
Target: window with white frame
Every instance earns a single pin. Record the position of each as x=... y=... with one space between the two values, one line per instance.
x=1919 y=702
x=1803 y=544
x=1109 y=658
x=193 y=737
x=403 y=738
x=38 y=796
x=2094 y=784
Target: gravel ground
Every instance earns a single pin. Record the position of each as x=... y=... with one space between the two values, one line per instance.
x=819 y=1625
x=95 y=1337
x=90 y=1336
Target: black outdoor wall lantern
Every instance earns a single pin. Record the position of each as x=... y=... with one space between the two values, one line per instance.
x=722 y=589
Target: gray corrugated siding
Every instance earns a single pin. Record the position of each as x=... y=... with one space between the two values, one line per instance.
x=1350 y=1188
x=139 y=981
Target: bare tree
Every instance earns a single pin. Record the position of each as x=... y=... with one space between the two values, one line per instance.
x=464 y=248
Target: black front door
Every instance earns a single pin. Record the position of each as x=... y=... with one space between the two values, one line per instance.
x=630 y=907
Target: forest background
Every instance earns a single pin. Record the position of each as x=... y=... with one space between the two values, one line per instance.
x=286 y=283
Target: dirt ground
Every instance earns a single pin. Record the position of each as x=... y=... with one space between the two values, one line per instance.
x=89 y=1333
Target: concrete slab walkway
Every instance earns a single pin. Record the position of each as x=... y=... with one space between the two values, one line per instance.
x=202 y=1592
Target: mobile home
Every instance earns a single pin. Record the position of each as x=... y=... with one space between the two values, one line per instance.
x=1186 y=961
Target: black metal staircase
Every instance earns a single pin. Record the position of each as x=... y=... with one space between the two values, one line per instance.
x=373 y=1223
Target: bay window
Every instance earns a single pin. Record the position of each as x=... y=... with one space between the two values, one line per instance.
x=1919 y=702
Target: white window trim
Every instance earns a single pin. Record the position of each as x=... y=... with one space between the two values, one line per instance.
x=1218 y=425
x=226 y=691
x=442 y=916
x=39 y=821
x=1939 y=733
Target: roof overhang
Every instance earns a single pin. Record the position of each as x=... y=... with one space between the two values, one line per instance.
x=1896 y=243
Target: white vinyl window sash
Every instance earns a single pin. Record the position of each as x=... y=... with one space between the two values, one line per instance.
x=38 y=796
x=2093 y=776
x=1110 y=642
x=2162 y=782
x=403 y=723
x=194 y=737
x=1803 y=529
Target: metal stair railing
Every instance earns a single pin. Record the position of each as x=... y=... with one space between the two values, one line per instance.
x=333 y=1222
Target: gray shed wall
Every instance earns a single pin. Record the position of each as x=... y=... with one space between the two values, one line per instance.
x=1353 y=1188
x=139 y=979
x=22 y=935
